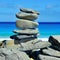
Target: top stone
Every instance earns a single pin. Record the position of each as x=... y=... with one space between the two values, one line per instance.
x=28 y=16
x=29 y=11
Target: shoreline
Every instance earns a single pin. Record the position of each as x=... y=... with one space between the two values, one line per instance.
x=43 y=39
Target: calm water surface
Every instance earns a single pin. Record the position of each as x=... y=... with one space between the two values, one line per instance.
x=45 y=29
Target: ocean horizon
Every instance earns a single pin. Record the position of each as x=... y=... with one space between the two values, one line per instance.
x=45 y=29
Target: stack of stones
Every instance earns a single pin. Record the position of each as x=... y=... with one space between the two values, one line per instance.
x=27 y=34
x=29 y=45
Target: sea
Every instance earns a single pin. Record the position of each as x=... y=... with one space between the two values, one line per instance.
x=46 y=29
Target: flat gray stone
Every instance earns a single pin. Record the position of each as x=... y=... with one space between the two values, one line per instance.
x=55 y=40
x=56 y=47
x=18 y=55
x=2 y=57
x=19 y=37
x=51 y=52
x=12 y=57
x=26 y=32
x=25 y=24
x=25 y=36
x=22 y=38
x=12 y=54
x=5 y=51
x=26 y=10
x=28 y=16
x=21 y=55
x=44 y=57
x=34 y=44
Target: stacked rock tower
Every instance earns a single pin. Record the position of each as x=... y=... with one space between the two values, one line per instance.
x=27 y=32
x=27 y=25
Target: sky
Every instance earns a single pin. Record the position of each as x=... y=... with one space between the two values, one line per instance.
x=49 y=9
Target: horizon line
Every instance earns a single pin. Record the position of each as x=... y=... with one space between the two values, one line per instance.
x=38 y=22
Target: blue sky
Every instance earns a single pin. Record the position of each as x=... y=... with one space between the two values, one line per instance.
x=49 y=9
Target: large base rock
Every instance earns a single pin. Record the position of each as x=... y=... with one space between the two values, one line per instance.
x=34 y=44
x=7 y=54
x=51 y=52
x=44 y=57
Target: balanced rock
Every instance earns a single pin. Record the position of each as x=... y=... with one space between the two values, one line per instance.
x=25 y=36
x=55 y=40
x=29 y=11
x=19 y=37
x=25 y=24
x=28 y=16
x=51 y=52
x=34 y=44
x=44 y=57
x=22 y=38
x=26 y=32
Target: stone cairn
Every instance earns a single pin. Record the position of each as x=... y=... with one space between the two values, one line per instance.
x=27 y=34
x=29 y=45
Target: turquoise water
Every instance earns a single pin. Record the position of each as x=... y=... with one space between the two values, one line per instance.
x=45 y=29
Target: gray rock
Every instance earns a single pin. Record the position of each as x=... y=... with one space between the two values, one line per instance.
x=44 y=57
x=21 y=55
x=51 y=52
x=11 y=54
x=19 y=37
x=28 y=16
x=55 y=40
x=26 y=32
x=25 y=36
x=5 y=51
x=25 y=24
x=34 y=44
x=12 y=57
x=29 y=11
x=17 y=55
x=2 y=57
x=22 y=38
x=56 y=47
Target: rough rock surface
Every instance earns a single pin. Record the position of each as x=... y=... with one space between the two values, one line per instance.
x=24 y=24
x=7 y=54
x=26 y=32
x=19 y=37
x=44 y=57
x=21 y=40
x=29 y=11
x=51 y=52
x=17 y=55
x=34 y=44
x=55 y=40
x=27 y=16
x=2 y=57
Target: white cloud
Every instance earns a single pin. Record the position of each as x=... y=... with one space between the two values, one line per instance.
x=51 y=6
